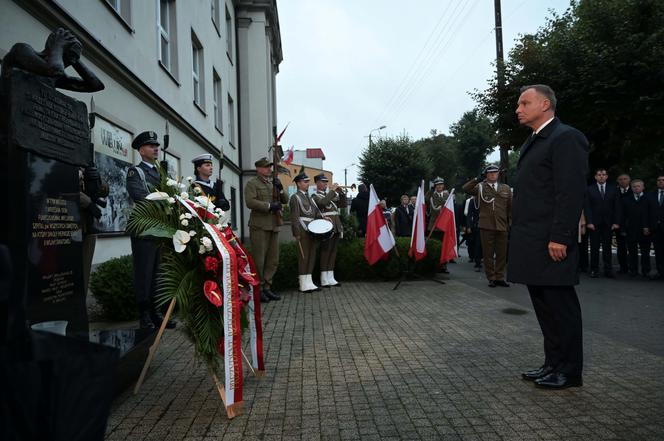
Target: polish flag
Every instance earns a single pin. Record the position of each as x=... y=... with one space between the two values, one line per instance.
x=288 y=156
x=379 y=240
x=446 y=222
x=417 y=242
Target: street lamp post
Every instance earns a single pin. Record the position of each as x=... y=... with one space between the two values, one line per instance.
x=375 y=130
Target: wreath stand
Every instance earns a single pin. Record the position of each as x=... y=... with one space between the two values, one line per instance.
x=409 y=272
x=231 y=411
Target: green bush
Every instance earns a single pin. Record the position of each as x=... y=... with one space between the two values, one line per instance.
x=112 y=284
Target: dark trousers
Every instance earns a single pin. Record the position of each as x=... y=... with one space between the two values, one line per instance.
x=601 y=235
x=583 y=252
x=470 y=244
x=658 y=244
x=621 y=241
x=145 y=253
x=633 y=248
x=559 y=316
x=477 y=245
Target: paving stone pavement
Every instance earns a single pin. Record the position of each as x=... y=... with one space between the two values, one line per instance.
x=428 y=361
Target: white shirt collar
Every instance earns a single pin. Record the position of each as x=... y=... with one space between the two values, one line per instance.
x=148 y=164
x=544 y=125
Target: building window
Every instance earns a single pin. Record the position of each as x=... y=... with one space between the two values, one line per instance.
x=122 y=8
x=233 y=210
x=231 y=122
x=197 y=71
x=215 y=15
x=167 y=35
x=217 y=102
x=229 y=34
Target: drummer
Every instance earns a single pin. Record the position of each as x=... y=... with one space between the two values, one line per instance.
x=302 y=212
x=329 y=202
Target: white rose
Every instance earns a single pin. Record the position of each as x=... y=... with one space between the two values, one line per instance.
x=171 y=182
x=201 y=249
x=207 y=243
x=184 y=222
x=188 y=215
x=171 y=200
x=192 y=233
x=182 y=216
x=184 y=195
x=180 y=239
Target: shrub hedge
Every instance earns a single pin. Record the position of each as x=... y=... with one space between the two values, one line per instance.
x=113 y=288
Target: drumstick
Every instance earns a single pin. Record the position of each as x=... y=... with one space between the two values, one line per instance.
x=299 y=244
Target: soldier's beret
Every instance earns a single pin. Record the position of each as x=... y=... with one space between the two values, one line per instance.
x=301 y=177
x=263 y=162
x=438 y=180
x=201 y=159
x=491 y=169
x=321 y=177
x=144 y=138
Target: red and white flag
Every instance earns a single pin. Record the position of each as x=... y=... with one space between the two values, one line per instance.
x=288 y=156
x=446 y=222
x=379 y=240
x=417 y=241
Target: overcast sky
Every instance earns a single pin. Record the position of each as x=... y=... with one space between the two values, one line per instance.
x=351 y=66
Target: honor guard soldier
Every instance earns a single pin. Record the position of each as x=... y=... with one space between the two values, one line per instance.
x=436 y=199
x=328 y=204
x=141 y=180
x=203 y=170
x=302 y=212
x=495 y=206
x=264 y=225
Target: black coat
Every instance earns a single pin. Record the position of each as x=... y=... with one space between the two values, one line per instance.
x=636 y=215
x=360 y=207
x=657 y=217
x=602 y=210
x=403 y=221
x=547 y=202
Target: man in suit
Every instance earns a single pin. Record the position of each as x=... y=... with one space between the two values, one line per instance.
x=402 y=219
x=624 y=190
x=203 y=169
x=328 y=203
x=543 y=254
x=636 y=220
x=142 y=179
x=472 y=228
x=263 y=224
x=657 y=204
x=302 y=212
x=601 y=209
x=495 y=206
x=360 y=208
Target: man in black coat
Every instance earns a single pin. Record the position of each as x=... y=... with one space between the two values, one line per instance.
x=602 y=211
x=657 y=204
x=636 y=220
x=543 y=254
x=402 y=219
x=360 y=208
x=624 y=190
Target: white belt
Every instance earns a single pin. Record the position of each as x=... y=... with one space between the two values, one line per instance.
x=331 y=213
x=308 y=219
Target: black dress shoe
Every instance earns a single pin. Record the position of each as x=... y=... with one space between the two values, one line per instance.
x=272 y=295
x=502 y=283
x=264 y=298
x=478 y=269
x=594 y=274
x=534 y=374
x=492 y=284
x=157 y=317
x=558 y=380
x=144 y=321
x=609 y=275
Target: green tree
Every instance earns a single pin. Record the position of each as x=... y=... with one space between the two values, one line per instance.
x=441 y=153
x=474 y=138
x=605 y=61
x=394 y=166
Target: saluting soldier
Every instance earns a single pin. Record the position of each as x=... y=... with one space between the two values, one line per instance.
x=329 y=202
x=302 y=212
x=203 y=169
x=263 y=224
x=141 y=180
x=436 y=200
x=495 y=206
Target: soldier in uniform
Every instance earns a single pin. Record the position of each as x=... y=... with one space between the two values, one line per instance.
x=495 y=206
x=203 y=172
x=302 y=212
x=141 y=180
x=436 y=200
x=328 y=203
x=264 y=225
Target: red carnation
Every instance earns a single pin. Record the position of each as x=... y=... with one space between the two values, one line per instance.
x=211 y=264
x=212 y=292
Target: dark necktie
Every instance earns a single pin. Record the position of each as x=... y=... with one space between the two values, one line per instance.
x=601 y=191
x=661 y=198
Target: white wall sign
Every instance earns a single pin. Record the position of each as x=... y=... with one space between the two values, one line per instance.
x=112 y=140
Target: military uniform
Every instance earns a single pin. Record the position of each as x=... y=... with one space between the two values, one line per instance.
x=263 y=227
x=329 y=203
x=302 y=212
x=495 y=206
x=209 y=188
x=436 y=202
x=141 y=180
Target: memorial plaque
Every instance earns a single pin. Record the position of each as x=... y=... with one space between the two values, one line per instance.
x=47 y=122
